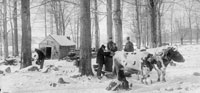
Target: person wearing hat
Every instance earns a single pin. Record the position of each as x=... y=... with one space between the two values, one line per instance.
x=110 y=44
x=101 y=59
x=129 y=46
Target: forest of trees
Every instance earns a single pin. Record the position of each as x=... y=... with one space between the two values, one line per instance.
x=149 y=23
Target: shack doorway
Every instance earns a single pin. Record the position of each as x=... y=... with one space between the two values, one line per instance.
x=48 y=52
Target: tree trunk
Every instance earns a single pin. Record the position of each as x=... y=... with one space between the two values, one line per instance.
x=138 y=25
x=172 y=12
x=5 y=34
x=60 y=18
x=190 y=26
x=63 y=22
x=26 y=33
x=11 y=28
x=45 y=20
x=153 y=23
x=85 y=44
x=147 y=34
x=159 y=29
x=78 y=32
x=147 y=26
x=96 y=26
x=159 y=13
x=197 y=35
x=181 y=40
x=109 y=20
x=1 y=32
x=51 y=23
x=15 y=28
x=56 y=16
x=118 y=24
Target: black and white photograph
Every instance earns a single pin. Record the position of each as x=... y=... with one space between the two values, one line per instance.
x=99 y=46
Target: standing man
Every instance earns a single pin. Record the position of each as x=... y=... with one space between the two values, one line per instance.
x=129 y=46
x=101 y=60
x=110 y=44
x=108 y=59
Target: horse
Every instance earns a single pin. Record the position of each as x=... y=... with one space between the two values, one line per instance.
x=160 y=61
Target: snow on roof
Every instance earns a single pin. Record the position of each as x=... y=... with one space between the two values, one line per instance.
x=62 y=40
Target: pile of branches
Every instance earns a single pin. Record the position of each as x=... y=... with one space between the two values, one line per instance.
x=10 y=61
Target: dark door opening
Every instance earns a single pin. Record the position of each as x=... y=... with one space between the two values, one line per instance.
x=48 y=52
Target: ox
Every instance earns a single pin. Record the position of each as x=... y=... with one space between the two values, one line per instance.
x=130 y=62
x=160 y=61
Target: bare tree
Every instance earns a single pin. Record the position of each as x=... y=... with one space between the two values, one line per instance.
x=138 y=37
x=182 y=31
x=78 y=33
x=152 y=6
x=45 y=19
x=188 y=8
x=51 y=23
x=5 y=33
x=61 y=12
x=160 y=2
x=1 y=31
x=16 y=52
x=26 y=34
x=109 y=19
x=85 y=42
x=11 y=28
x=96 y=26
x=55 y=12
x=147 y=26
x=197 y=32
x=118 y=24
x=171 y=19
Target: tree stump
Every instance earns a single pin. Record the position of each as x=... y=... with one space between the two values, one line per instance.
x=119 y=85
x=122 y=83
x=33 y=68
x=61 y=81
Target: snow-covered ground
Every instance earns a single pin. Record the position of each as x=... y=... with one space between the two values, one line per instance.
x=180 y=78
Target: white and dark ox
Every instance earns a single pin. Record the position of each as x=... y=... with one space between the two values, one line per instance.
x=143 y=62
x=160 y=61
x=131 y=62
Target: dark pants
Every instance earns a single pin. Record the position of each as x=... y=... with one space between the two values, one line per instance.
x=99 y=71
x=108 y=64
x=41 y=63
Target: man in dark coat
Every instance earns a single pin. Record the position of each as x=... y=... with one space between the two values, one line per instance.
x=110 y=44
x=129 y=46
x=41 y=57
x=101 y=59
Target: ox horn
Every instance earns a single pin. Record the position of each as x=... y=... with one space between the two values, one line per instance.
x=175 y=48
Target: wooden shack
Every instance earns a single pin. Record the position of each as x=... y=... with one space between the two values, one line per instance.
x=56 y=47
